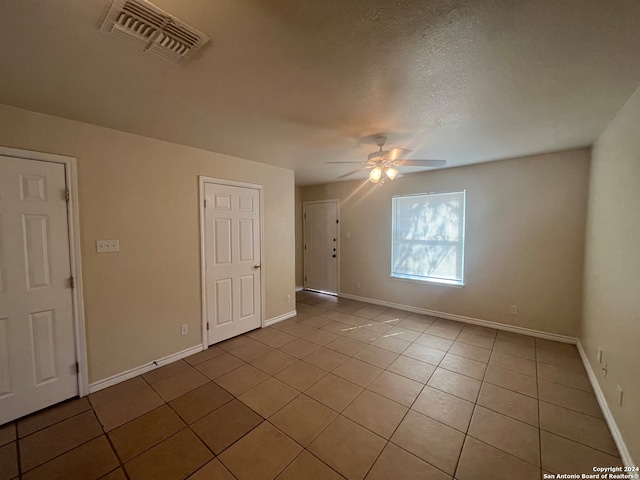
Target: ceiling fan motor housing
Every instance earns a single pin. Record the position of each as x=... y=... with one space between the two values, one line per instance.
x=376 y=156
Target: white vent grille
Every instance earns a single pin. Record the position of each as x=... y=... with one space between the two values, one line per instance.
x=153 y=29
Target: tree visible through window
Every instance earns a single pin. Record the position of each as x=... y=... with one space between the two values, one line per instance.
x=428 y=237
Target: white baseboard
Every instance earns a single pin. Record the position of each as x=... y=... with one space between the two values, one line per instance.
x=134 y=372
x=475 y=321
x=280 y=318
x=606 y=411
x=298 y=289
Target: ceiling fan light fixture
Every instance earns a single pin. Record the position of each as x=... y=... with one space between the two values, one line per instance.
x=385 y=164
x=391 y=172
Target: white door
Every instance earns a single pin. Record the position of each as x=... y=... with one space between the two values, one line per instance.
x=321 y=246
x=37 y=342
x=232 y=260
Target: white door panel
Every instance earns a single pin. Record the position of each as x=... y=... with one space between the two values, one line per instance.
x=321 y=246
x=232 y=259
x=37 y=342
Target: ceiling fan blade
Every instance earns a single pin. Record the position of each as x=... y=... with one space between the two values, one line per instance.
x=395 y=153
x=420 y=163
x=345 y=163
x=354 y=172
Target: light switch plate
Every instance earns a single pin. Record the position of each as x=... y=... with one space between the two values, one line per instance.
x=106 y=246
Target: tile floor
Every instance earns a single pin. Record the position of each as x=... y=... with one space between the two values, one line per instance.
x=343 y=390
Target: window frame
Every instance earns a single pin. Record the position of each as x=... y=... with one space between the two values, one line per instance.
x=461 y=243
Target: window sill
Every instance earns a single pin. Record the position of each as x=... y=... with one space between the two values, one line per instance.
x=431 y=281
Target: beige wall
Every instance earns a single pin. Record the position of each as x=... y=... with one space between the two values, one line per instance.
x=525 y=225
x=144 y=193
x=299 y=240
x=612 y=269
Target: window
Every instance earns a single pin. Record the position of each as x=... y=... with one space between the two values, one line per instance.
x=428 y=237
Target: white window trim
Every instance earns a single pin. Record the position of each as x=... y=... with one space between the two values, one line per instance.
x=441 y=283
x=432 y=280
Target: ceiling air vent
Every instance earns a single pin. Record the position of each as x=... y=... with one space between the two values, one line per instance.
x=153 y=29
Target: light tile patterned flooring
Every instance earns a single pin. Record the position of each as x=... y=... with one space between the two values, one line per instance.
x=344 y=389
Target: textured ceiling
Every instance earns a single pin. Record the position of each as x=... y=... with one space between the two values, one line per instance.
x=297 y=83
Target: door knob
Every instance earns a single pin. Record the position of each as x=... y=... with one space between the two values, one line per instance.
x=334 y=255
x=258 y=266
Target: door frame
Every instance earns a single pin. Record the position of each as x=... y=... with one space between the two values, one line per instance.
x=304 y=252
x=73 y=227
x=202 y=180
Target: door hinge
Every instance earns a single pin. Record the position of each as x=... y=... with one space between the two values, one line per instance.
x=305 y=247
x=67 y=194
x=77 y=367
x=305 y=278
x=205 y=203
x=305 y=216
x=207 y=325
x=72 y=282
x=337 y=221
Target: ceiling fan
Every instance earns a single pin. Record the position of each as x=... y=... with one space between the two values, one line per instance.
x=384 y=163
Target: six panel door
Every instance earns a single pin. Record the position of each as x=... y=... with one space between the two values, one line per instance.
x=37 y=340
x=232 y=260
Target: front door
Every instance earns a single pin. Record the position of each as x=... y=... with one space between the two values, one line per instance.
x=37 y=340
x=321 y=246
x=232 y=260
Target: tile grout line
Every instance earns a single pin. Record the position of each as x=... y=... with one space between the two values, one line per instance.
x=20 y=466
x=54 y=423
x=466 y=433
x=117 y=455
x=18 y=456
x=405 y=415
x=319 y=459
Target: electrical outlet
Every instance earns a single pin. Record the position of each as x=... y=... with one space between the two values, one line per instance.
x=288 y=298
x=106 y=246
x=514 y=310
x=604 y=369
x=184 y=329
x=619 y=394
x=599 y=355
x=358 y=284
